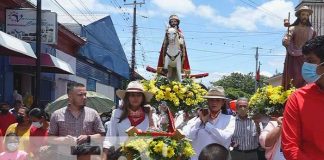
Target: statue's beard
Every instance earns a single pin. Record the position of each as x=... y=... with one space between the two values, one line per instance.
x=304 y=21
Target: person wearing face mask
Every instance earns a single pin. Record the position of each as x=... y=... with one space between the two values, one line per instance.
x=6 y=118
x=21 y=128
x=302 y=131
x=11 y=149
x=299 y=32
x=245 y=139
x=38 y=130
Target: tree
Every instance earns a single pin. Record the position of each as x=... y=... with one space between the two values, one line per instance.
x=239 y=85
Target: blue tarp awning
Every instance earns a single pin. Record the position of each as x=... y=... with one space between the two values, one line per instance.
x=103 y=46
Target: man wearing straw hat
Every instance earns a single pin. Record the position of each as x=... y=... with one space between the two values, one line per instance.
x=298 y=33
x=212 y=126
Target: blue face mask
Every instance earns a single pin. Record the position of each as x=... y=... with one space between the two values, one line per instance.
x=309 y=72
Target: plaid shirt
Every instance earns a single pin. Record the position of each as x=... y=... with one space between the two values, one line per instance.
x=63 y=123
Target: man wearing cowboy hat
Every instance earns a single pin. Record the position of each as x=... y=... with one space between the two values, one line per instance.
x=299 y=32
x=174 y=22
x=211 y=126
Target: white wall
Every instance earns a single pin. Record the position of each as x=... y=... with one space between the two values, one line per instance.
x=106 y=90
x=61 y=80
x=275 y=81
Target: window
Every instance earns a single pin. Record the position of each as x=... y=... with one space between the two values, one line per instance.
x=91 y=84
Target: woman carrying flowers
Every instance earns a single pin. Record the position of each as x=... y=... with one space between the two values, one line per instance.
x=133 y=112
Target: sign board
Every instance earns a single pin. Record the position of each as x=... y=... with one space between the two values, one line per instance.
x=21 y=23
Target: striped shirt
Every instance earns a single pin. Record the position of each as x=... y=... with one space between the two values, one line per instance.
x=245 y=134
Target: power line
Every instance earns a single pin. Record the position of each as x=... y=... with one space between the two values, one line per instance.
x=87 y=31
x=79 y=10
x=193 y=31
x=261 y=9
x=87 y=9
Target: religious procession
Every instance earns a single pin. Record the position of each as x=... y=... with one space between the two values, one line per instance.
x=68 y=91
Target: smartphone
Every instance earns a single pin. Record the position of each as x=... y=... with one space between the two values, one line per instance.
x=85 y=150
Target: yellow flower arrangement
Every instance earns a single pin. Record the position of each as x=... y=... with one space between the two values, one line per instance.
x=162 y=148
x=185 y=95
x=269 y=100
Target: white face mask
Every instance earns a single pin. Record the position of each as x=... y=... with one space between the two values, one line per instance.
x=37 y=124
x=12 y=146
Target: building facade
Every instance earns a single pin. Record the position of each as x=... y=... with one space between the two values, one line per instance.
x=91 y=64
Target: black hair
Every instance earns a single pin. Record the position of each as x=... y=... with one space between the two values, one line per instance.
x=126 y=105
x=37 y=113
x=26 y=110
x=213 y=151
x=3 y=104
x=72 y=85
x=315 y=46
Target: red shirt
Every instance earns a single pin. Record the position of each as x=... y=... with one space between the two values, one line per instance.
x=6 y=121
x=1 y=141
x=303 y=131
x=38 y=138
x=38 y=131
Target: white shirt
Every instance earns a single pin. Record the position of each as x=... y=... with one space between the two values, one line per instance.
x=156 y=119
x=273 y=152
x=116 y=132
x=218 y=131
x=107 y=125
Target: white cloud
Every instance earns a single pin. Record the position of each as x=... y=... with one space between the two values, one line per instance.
x=276 y=9
x=266 y=73
x=270 y=14
x=172 y=6
x=212 y=78
x=277 y=63
x=206 y=11
x=85 y=12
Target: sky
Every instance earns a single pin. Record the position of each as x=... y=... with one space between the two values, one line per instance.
x=221 y=35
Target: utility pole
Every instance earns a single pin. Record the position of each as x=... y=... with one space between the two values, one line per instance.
x=256 y=66
x=38 y=54
x=133 y=59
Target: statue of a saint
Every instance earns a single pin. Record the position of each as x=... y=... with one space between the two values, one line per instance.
x=174 y=22
x=298 y=33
